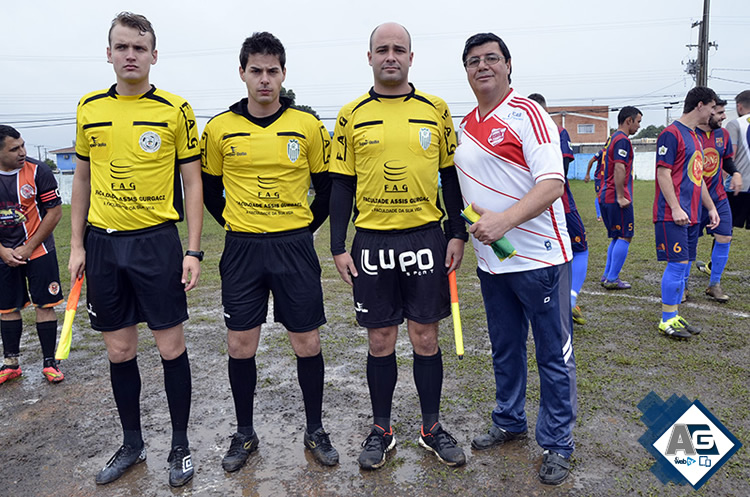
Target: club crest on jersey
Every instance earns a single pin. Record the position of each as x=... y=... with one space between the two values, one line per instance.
x=496 y=136
x=719 y=141
x=54 y=288
x=27 y=191
x=622 y=153
x=292 y=149
x=425 y=137
x=663 y=150
x=150 y=142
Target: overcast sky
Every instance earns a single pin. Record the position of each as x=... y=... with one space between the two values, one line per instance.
x=574 y=53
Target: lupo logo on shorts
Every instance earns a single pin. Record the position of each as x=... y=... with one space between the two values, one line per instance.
x=411 y=263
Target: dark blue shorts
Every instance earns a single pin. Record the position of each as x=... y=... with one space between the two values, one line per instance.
x=43 y=278
x=576 y=231
x=135 y=277
x=401 y=275
x=254 y=264
x=618 y=221
x=725 y=220
x=676 y=243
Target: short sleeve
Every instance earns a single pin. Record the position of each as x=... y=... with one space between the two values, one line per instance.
x=666 y=150
x=211 y=159
x=621 y=151
x=319 y=153
x=82 y=144
x=186 y=135
x=342 y=151
x=448 y=139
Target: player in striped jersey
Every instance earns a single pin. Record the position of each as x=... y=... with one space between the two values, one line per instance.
x=616 y=196
x=598 y=159
x=511 y=171
x=30 y=208
x=718 y=151
x=679 y=193
x=580 y=263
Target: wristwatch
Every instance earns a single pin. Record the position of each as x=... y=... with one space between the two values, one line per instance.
x=198 y=254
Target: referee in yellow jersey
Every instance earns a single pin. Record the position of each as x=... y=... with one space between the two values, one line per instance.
x=133 y=143
x=263 y=153
x=390 y=146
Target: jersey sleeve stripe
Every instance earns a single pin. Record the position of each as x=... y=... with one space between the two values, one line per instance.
x=188 y=159
x=536 y=119
x=550 y=176
x=533 y=125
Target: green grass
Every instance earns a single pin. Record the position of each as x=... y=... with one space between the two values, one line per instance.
x=620 y=355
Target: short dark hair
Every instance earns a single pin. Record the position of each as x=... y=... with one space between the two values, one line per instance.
x=263 y=43
x=6 y=131
x=720 y=102
x=372 y=35
x=481 y=39
x=538 y=98
x=135 y=21
x=699 y=94
x=743 y=98
x=626 y=112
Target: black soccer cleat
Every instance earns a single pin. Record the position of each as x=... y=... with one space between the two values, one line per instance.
x=180 y=466
x=320 y=445
x=239 y=450
x=125 y=458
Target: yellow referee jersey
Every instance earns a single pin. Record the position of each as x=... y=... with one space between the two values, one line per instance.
x=265 y=165
x=135 y=145
x=394 y=145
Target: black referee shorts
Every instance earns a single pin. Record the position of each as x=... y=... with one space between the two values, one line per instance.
x=132 y=277
x=740 y=205
x=283 y=263
x=401 y=274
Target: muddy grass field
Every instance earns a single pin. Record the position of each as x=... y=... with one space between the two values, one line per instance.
x=54 y=438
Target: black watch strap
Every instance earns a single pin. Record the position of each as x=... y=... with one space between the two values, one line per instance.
x=198 y=254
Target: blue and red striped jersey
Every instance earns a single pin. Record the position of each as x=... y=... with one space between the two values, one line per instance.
x=717 y=146
x=679 y=149
x=619 y=150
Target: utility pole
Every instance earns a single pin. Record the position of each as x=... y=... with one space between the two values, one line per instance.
x=699 y=68
x=702 y=79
